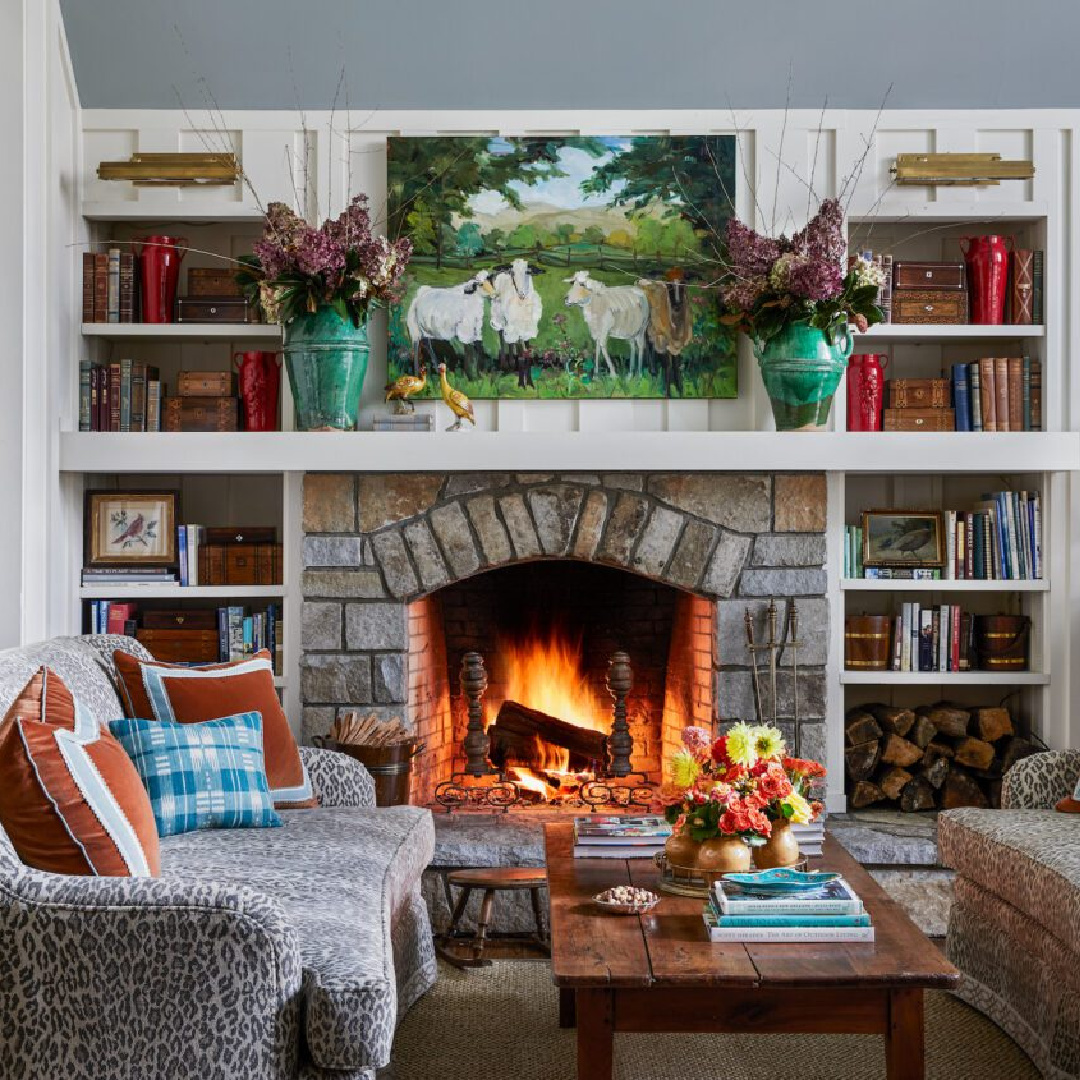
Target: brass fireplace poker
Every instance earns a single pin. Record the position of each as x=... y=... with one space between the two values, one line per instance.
x=775 y=647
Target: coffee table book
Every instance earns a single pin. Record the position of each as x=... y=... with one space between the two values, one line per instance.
x=833 y=898
x=784 y=934
x=615 y=837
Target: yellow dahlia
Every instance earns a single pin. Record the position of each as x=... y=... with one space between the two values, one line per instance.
x=768 y=742
x=741 y=745
x=801 y=811
x=684 y=769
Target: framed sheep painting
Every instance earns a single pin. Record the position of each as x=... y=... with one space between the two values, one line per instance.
x=563 y=267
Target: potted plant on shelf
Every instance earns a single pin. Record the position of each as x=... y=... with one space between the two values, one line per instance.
x=732 y=793
x=321 y=285
x=794 y=300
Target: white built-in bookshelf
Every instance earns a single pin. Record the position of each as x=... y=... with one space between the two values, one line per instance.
x=239 y=478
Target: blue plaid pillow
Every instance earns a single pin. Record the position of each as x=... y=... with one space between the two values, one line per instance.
x=210 y=775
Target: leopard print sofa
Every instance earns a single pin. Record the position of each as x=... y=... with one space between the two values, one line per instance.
x=1014 y=927
x=258 y=953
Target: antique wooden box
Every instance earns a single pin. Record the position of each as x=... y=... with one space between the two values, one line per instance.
x=245 y=556
x=192 y=619
x=930 y=306
x=205 y=383
x=213 y=282
x=202 y=309
x=928 y=275
x=919 y=393
x=200 y=414
x=866 y=642
x=920 y=420
x=181 y=646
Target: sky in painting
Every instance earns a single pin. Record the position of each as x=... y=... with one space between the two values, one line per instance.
x=564 y=191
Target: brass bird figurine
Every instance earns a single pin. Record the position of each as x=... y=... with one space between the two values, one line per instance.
x=403 y=388
x=456 y=401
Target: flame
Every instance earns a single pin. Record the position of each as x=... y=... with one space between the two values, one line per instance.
x=547 y=673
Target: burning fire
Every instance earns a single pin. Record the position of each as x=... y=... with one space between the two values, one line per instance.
x=547 y=673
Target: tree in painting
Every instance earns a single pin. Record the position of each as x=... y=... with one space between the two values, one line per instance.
x=563 y=267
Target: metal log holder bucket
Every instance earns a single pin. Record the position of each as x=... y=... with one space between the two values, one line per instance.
x=390 y=766
x=1002 y=642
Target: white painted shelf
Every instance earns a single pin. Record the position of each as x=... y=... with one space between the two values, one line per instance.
x=173 y=212
x=575 y=451
x=280 y=682
x=943 y=678
x=947 y=208
x=183 y=331
x=928 y=333
x=965 y=586
x=150 y=591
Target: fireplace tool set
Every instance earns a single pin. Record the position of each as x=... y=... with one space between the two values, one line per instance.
x=481 y=785
x=773 y=651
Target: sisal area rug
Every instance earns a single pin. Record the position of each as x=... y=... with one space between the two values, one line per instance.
x=500 y=1023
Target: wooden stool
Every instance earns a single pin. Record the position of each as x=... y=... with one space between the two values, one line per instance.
x=492 y=880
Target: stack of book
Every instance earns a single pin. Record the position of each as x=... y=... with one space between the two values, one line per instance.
x=404 y=422
x=832 y=913
x=129 y=575
x=1001 y=539
x=999 y=393
x=811 y=835
x=123 y=395
x=933 y=638
x=619 y=836
x=109 y=286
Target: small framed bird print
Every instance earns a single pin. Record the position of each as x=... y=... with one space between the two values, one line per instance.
x=131 y=528
x=913 y=538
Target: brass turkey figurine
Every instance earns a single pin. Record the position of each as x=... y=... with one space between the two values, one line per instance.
x=456 y=401
x=403 y=388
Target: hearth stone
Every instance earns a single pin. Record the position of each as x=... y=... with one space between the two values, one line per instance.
x=329 y=503
x=385 y=498
x=727 y=562
x=592 y=525
x=795 y=550
x=452 y=529
x=555 y=511
x=737 y=502
x=800 y=503
x=400 y=576
x=343 y=584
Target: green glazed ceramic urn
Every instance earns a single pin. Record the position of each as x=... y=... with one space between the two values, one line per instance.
x=801 y=372
x=326 y=358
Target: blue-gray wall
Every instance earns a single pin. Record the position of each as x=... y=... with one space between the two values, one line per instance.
x=423 y=54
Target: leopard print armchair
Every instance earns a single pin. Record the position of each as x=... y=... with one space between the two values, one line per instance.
x=1040 y=781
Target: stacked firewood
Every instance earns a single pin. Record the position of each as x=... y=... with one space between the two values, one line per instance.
x=371 y=730
x=933 y=757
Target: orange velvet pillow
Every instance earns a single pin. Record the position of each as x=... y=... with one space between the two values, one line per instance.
x=1068 y=805
x=71 y=800
x=155 y=691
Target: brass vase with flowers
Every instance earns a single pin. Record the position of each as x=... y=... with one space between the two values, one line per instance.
x=681 y=849
x=780 y=850
x=729 y=793
x=723 y=855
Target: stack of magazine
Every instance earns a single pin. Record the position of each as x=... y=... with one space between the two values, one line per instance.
x=810 y=836
x=619 y=836
x=832 y=912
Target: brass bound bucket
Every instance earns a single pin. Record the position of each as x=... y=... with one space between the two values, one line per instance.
x=866 y=642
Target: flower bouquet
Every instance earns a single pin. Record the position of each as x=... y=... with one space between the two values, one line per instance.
x=738 y=787
x=321 y=284
x=794 y=300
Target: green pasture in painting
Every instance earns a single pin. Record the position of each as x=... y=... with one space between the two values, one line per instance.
x=553 y=268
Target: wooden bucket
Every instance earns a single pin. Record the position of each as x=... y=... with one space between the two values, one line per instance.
x=866 y=642
x=390 y=767
x=1001 y=642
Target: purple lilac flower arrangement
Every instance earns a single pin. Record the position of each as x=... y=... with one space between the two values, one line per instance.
x=298 y=268
x=773 y=282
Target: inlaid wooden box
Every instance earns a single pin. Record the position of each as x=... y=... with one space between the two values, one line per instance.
x=200 y=414
x=920 y=420
x=919 y=393
x=930 y=306
x=181 y=646
x=929 y=275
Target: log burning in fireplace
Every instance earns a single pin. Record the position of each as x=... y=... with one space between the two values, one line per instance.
x=550 y=729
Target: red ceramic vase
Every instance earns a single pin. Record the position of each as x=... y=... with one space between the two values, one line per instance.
x=987 y=261
x=159 y=258
x=866 y=391
x=258 y=376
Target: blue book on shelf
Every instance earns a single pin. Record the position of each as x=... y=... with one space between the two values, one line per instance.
x=181 y=543
x=962 y=397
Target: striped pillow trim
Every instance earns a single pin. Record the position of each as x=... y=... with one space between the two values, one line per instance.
x=153 y=683
x=72 y=746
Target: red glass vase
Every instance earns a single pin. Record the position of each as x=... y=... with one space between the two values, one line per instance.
x=987 y=261
x=159 y=258
x=866 y=391
x=258 y=376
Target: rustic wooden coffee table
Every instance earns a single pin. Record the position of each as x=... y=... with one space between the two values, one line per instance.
x=660 y=972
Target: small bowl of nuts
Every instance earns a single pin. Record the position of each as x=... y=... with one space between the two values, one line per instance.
x=626 y=900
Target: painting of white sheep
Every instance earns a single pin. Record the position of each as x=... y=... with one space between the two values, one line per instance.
x=618 y=311
x=452 y=314
x=516 y=308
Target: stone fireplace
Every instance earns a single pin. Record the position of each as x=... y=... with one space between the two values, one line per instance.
x=546 y=576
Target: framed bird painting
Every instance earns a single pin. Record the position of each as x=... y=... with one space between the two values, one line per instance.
x=914 y=538
x=131 y=528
